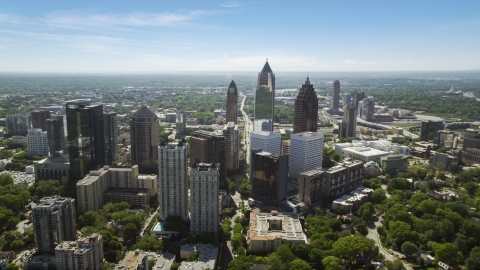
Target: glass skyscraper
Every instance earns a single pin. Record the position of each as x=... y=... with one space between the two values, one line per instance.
x=265 y=96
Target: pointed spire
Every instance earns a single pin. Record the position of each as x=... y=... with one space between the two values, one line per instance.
x=267 y=68
x=308 y=80
x=232 y=84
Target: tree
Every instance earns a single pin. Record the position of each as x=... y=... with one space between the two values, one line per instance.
x=285 y=254
x=238 y=265
x=409 y=248
x=12 y=266
x=332 y=263
x=299 y=264
x=151 y=264
x=395 y=265
x=275 y=262
x=6 y=179
x=353 y=247
x=447 y=253
x=378 y=196
x=130 y=232
x=399 y=229
x=236 y=240
x=17 y=244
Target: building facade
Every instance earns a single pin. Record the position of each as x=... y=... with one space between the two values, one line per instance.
x=181 y=122
x=115 y=184
x=173 y=179
x=56 y=136
x=52 y=168
x=366 y=109
x=207 y=147
x=232 y=147
x=84 y=254
x=17 y=124
x=85 y=137
x=350 y=115
x=204 y=203
x=306 y=152
x=54 y=221
x=266 y=140
x=394 y=164
x=429 y=129
x=39 y=119
x=269 y=176
x=232 y=103
x=144 y=138
x=312 y=186
x=265 y=95
x=335 y=95
x=471 y=139
x=305 y=112
x=37 y=142
x=110 y=124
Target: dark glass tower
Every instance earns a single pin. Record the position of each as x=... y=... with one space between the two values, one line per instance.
x=350 y=115
x=232 y=103
x=335 y=95
x=269 y=176
x=265 y=96
x=55 y=136
x=144 y=137
x=305 y=116
x=207 y=147
x=39 y=119
x=85 y=136
x=111 y=137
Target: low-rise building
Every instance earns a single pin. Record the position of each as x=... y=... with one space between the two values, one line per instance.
x=133 y=260
x=51 y=168
x=364 y=153
x=471 y=156
x=444 y=161
x=192 y=121
x=207 y=256
x=372 y=170
x=270 y=230
x=394 y=164
x=343 y=178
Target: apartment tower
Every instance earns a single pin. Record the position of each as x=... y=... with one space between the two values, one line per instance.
x=265 y=96
x=232 y=147
x=232 y=103
x=306 y=152
x=39 y=119
x=54 y=221
x=144 y=137
x=204 y=204
x=207 y=147
x=37 y=142
x=111 y=137
x=305 y=117
x=173 y=179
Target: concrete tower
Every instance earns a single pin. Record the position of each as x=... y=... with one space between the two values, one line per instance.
x=232 y=103
x=144 y=137
x=265 y=96
x=350 y=115
x=173 y=179
x=111 y=137
x=305 y=117
x=335 y=95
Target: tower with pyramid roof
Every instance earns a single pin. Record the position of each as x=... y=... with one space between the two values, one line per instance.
x=305 y=112
x=265 y=97
x=232 y=103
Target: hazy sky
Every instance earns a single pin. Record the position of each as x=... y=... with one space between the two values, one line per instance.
x=162 y=36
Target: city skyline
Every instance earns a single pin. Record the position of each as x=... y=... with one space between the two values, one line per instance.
x=188 y=36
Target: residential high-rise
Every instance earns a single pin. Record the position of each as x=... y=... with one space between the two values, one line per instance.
x=306 y=152
x=84 y=254
x=232 y=147
x=266 y=140
x=111 y=137
x=335 y=95
x=144 y=138
x=181 y=122
x=17 y=124
x=173 y=179
x=208 y=146
x=39 y=119
x=204 y=204
x=429 y=129
x=85 y=136
x=305 y=112
x=115 y=184
x=269 y=176
x=232 y=103
x=265 y=95
x=37 y=142
x=54 y=221
x=350 y=115
x=56 y=136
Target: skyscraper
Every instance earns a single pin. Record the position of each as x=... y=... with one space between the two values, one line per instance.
x=173 y=179
x=350 y=115
x=365 y=109
x=357 y=97
x=267 y=141
x=85 y=253
x=54 y=221
x=335 y=95
x=306 y=152
x=55 y=136
x=232 y=147
x=85 y=137
x=144 y=137
x=37 y=142
x=232 y=103
x=207 y=147
x=181 y=122
x=429 y=129
x=17 y=124
x=265 y=95
x=305 y=116
x=342 y=128
x=269 y=176
x=204 y=206
x=111 y=137
x=39 y=119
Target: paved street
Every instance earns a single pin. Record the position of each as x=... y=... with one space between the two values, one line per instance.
x=248 y=128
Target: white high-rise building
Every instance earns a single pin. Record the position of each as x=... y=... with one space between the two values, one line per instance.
x=266 y=140
x=37 y=142
x=85 y=253
x=262 y=125
x=232 y=146
x=306 y=152
x=173 y=179
x=204 y=204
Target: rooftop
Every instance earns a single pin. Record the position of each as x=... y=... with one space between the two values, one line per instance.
x=269 y=226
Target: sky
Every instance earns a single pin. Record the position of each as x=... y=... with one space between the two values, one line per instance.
x=311 y=36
